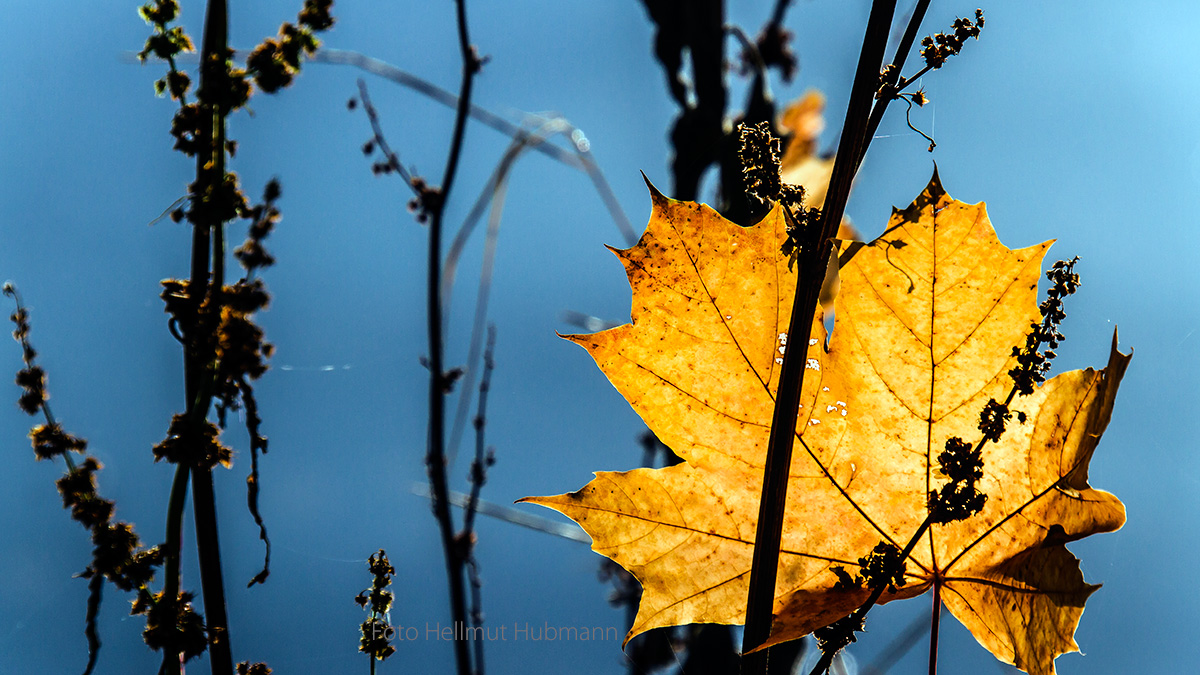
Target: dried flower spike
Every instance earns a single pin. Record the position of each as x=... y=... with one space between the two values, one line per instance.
x=941 y=46
x=1032 y=365
x=959 y=499
x=376 y=632
x=883 y=567
x=838 y=635
x=759 y=154
x=992 y=419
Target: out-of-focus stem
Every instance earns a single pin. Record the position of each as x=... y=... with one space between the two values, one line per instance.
x=933 y=630
x=436 y=458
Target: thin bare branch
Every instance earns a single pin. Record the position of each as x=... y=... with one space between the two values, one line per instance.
x=435 y=461
x=422 y=86
x=393 y=158
x=483 y=459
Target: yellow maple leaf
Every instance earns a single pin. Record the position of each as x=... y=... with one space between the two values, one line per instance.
x=926 y=322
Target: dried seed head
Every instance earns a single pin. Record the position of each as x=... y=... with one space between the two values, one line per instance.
x=759 y=155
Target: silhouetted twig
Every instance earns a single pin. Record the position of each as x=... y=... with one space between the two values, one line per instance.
x=210 y=174
x=484 y=458
x=432 y=203
x=95 y=590
x=252 y=480
x=492 y=195
x=391 y=158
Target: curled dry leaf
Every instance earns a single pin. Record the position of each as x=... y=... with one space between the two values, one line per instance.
x=802 y=164
x=926 y=321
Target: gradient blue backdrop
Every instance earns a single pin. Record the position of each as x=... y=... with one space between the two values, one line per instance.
x=1071 y=120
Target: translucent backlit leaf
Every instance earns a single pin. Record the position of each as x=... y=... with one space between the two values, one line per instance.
x=927 y=318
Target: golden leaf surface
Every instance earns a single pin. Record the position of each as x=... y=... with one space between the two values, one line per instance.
x=925 y=325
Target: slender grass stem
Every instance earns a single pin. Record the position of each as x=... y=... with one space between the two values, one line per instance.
x=579 y=157
x=903 y=84
x=905 y=46
x=815 y=251
x=175 y=505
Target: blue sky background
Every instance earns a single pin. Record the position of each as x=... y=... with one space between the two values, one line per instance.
x=1074 y=121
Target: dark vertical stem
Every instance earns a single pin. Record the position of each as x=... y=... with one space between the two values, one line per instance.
x=193 y=370
x=436 y=458
x=933 y=630
x=479 y=467
x=220 y=655
x=469 y=69
x=854 y=139
x=699 y=129
x=208 y=252
x=174 y=545
x=906 y=43
x=780 y=10
x=814 y=253
x=476 y=612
